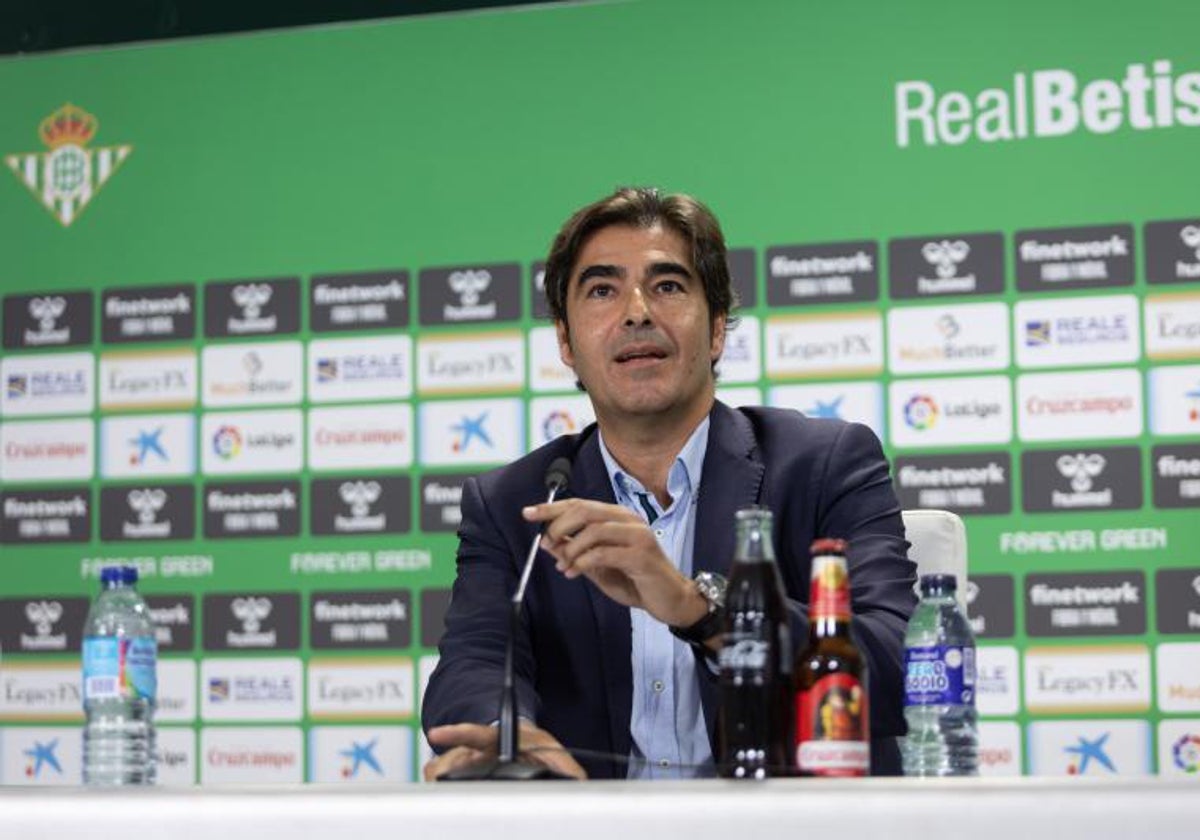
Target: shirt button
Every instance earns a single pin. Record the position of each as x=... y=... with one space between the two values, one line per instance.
x=658 y=686
x=658 y=532
x=664 y=763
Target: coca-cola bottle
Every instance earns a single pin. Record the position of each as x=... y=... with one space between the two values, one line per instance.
x=754 y=723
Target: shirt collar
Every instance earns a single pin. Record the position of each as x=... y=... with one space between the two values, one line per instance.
x=685 y=470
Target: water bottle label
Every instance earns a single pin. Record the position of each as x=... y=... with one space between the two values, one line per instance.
x=119 y=668
x=832 y=728
x=939 y=675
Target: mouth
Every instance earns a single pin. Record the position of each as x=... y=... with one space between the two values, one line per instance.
x=640 y=354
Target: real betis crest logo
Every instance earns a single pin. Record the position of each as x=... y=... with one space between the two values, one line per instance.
x=68 y=176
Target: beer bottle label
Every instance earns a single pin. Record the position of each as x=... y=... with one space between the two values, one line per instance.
x=832 y=731
x=829 y=596
x=939 y=675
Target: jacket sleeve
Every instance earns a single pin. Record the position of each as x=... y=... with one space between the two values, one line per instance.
x=465 y=686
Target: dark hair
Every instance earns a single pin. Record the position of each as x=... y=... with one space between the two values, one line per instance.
x=644 y=207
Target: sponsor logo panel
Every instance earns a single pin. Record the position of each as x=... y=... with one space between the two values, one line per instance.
x=150 y=313
x=252 y=374
x=42 y=755
x=546 y=369
x=360 y=620
x=174 y=622
x=46 y=450
x=1079 y=405
x=743 y=276
x=1089 y=748
x=1172 y=251
x=441 y=502
x=257 y=441
x=1085 y=604
x=478 y=363
x=999 y=748
x=1173 y=326
x=252 y=509
x=1179 y=748
x=33 y=691
x=62 y=383
x=1052 y=259
x=1178 y=674
x=950 y=411
x=361 y=301
x=42 y=624
x=241 y=308
x=998 y=680
x=537 y=291
x=148 y=512
x=176 y=697
x=470 y=294
x=991 y=606
x=53 y=319
x=828 y=273
x=373 y=504
x=1076 y=331
x=434 y=604
x=425 y=668
x=738 y=397
x=360 y=688
x=1081 y=479
x=975 y=483
x=471 y=432
x=372 y=436
x=351 y=369
x=176 y=756
x=1178 y=600
x=236 y=755
x=1085 y=680
x=42 y=516
x=807 y=345
x=252 y=621
x=958 y=264
x=251 y=689
x=162 y=379
x=1175 y=400
x=854 y=402
x=937 y=339
x=741 y=360
x=360 y=755
x=147 y=446
x=551 y=417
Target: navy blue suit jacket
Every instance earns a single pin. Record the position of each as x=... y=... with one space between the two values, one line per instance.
x=821 y=478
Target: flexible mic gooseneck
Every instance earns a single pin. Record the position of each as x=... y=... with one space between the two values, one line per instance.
x=506 y=765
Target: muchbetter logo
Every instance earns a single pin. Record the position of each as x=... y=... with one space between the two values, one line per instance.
x=67 y=176
x=44 y=615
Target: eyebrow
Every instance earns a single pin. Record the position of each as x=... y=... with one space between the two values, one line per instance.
x=657 y=269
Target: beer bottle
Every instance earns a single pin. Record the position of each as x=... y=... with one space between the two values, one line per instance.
x=754 y=720
x=832 y=729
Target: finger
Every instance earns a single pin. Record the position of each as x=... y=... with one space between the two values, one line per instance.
x=578 y=514
x=628 y=546
x=474 y=735
x=451 y=760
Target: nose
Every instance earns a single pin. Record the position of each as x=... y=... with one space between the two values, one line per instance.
x=637 y=309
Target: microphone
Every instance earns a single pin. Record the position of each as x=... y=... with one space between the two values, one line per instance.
x=506 y=766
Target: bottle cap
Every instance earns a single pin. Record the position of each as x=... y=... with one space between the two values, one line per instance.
x=940 y=582
x=110 y=575
x=129 y=575
x=827 y=545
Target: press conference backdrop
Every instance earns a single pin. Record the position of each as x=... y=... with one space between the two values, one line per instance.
x=269 y=300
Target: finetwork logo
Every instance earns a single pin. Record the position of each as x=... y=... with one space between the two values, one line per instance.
x=69 y=175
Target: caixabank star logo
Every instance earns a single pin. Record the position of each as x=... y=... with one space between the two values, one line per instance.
x=69 y=175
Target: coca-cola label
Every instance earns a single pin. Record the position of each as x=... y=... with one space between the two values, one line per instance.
x=939 y=675
x=744 y=654
x=830 y=594
x=832 y=731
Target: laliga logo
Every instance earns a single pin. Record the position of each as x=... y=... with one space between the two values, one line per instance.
x=468 y=284
x=43 y=615
x=251 y=612
x=47 y=310
x=1191 y=238
x=147 y=503
x=1081 y=469
x=359 y=495
x=921 y=412
x=251 y=298
x=945 y=255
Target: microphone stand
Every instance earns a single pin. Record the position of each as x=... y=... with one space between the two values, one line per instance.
x=507 y=766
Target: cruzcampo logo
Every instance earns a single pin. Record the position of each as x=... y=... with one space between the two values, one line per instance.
x=67 y=177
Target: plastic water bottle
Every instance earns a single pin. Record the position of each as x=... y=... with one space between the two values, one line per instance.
x=119 y=683
x=939 y=685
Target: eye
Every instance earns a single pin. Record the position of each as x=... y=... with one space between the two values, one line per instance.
x=599 y=290
x=669 y=287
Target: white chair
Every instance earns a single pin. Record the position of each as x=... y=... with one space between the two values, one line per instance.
x=938 y=545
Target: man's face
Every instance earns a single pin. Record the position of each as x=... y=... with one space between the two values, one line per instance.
x=640 y=338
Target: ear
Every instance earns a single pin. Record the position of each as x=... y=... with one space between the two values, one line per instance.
x=718 y=337
x=564 y=344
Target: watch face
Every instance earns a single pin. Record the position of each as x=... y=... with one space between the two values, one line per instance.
x=712 y=587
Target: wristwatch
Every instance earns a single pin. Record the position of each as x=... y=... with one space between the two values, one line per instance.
x=711 y=587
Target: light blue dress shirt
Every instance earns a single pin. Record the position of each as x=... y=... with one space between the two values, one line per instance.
x=670 y=737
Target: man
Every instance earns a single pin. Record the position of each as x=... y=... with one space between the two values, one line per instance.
x=639 y=290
